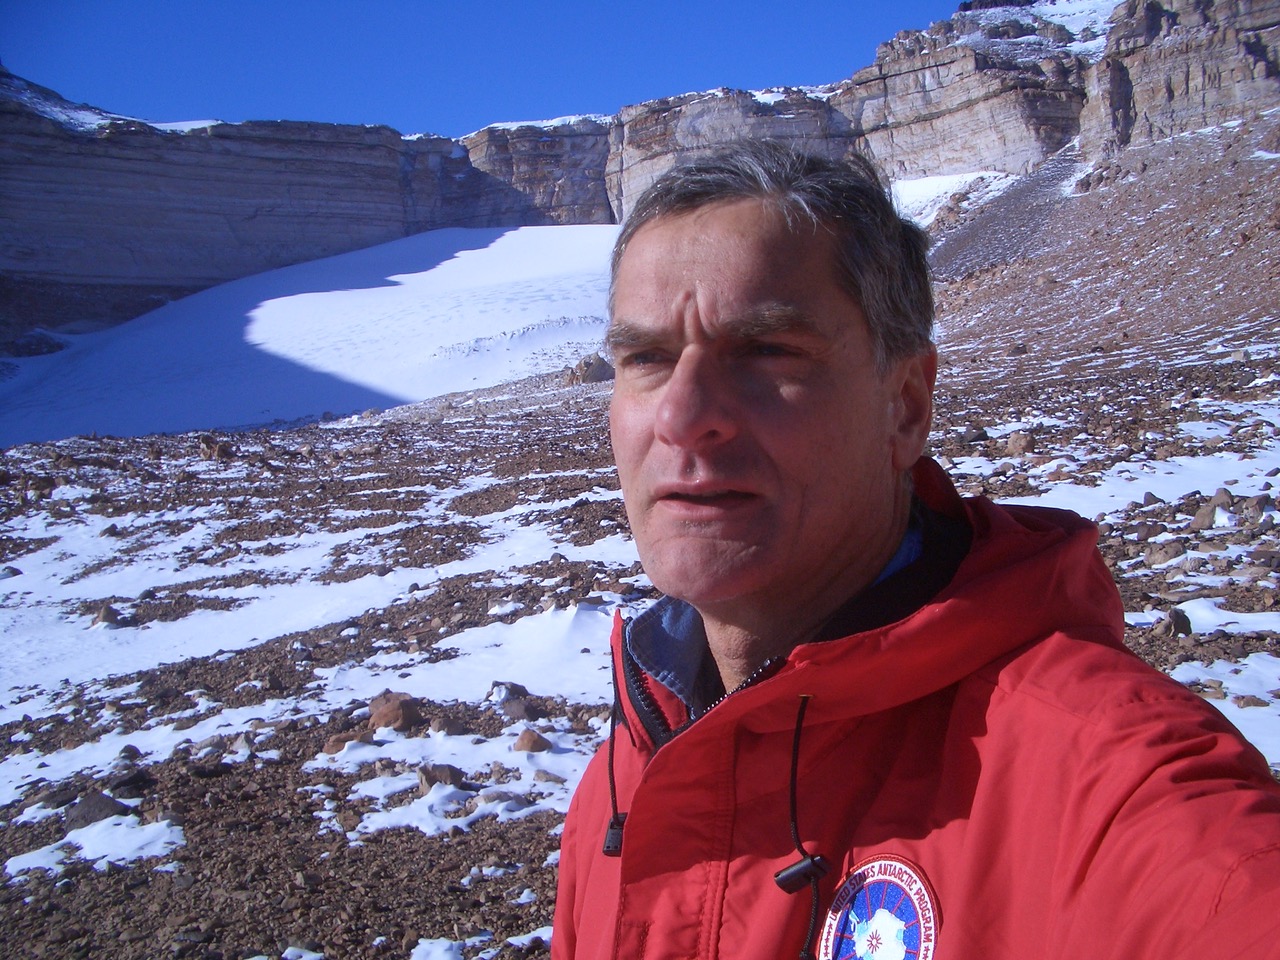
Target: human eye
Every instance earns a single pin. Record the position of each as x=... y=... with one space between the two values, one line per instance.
x=769 y=348
x=639 y=358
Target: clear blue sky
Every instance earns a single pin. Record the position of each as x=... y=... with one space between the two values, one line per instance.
x=446 y=68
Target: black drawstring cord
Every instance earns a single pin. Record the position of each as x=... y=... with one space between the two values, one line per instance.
x=810 y=868
x=613 y=834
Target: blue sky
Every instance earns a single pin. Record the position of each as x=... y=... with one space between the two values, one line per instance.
x=426 y=66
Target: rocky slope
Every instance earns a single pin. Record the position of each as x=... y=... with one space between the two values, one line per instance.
x=102 y=218
x=1128 y=326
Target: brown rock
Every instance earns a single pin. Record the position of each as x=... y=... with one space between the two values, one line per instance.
x=107 y=615
x=1145 y=530
x=448 y=726
x=590 y=369
x=338 y=741
x=1249 y=700
x=433 y=773
x=495 y=796
x=1158 y=553
x=399 y=714
x=1206 y=517
x=1019 y=443
x=92 y=807
x=531 y=741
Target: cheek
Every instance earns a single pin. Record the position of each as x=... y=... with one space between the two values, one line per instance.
x=627 y=436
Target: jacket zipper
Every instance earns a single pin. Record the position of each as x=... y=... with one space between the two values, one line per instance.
x=651 y=717
x=762 y=672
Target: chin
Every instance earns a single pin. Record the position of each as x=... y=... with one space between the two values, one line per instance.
x=700 y=577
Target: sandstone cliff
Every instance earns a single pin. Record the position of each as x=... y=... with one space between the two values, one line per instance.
x=1181 y=65
x=556 y=168
x=106 y=217
x=932 y=103
x=103 y=217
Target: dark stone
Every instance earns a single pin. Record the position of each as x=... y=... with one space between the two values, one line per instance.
x=92 y=807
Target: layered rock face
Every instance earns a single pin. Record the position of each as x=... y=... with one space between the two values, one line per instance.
x=552 y=172
x=102 y=218
x=1181 y=65
x=994 y=90
x=995 y=87
x=112 y=220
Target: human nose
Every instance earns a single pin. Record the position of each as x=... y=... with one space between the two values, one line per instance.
x=696 y=409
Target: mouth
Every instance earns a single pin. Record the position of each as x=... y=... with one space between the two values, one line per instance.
x=717 y=498
x=703 y=501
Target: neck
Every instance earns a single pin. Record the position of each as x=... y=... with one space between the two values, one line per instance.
x=745 y=633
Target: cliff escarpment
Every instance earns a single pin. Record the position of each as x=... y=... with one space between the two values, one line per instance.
x=1180 y=65
x=104 y=217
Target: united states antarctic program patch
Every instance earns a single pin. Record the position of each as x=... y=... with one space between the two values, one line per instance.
x=883 y=910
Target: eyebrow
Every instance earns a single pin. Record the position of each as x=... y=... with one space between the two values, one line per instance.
x=766 y=320
x=622 y=335
x=773 y=318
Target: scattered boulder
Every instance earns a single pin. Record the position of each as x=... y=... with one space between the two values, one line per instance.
x=432 y=773
x=1206 y=517
x=338 y=742
x=531 y=741
x=1164 y=551
x=590 y=369
x=131 y=784
x=1249 y=700
x=107 y=615
x=1175 y=624
x=501 y=690
x=513 y=801
x=211 y=448
x=55 y=798
x=520 y=708
x=399 y=711
x=1147 y=530
x=95 y=806
x=1251 y=509
x=1222 y=498
x=448 y=726
x=1019 y=443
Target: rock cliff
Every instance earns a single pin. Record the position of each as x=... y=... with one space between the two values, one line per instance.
x=556 y=170
x=109 y=218
x=103 y=217
x=1181 y=65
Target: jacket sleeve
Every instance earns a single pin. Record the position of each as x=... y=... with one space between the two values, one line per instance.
x=1176 y=837
x=564 y=930
x=579 y=879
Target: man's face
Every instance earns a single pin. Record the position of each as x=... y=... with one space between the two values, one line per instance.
x=760 y=452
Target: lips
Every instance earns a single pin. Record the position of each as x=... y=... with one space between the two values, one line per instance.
x=718 y=498
x=703 y=501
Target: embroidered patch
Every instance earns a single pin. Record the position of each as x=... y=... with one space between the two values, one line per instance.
x=884 y=910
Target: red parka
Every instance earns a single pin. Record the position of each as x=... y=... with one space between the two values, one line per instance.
x=1021 y=785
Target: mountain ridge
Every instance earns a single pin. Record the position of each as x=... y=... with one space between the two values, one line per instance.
x=107 y=217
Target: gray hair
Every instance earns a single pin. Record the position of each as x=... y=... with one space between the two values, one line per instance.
x=881 y=258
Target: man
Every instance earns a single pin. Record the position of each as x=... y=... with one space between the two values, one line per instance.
x=869 y=718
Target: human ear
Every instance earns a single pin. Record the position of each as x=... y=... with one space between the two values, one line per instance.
x=912 y=380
